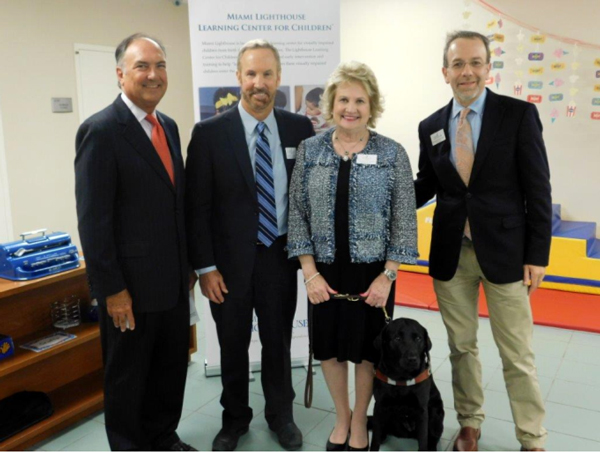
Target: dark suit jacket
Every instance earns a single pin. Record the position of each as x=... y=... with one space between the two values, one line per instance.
x=222 y=206
x=508 y=198
x=131 y=217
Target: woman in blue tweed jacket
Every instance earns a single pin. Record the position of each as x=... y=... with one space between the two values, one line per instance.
x=352 y=221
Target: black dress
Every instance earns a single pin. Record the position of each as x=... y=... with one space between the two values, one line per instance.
x=345 y=329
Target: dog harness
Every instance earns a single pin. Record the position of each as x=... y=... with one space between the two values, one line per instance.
x=418 y=379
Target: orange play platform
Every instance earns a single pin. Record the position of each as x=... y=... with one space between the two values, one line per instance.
x=557 y=308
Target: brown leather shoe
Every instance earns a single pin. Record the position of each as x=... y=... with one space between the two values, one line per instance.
x=467 y=439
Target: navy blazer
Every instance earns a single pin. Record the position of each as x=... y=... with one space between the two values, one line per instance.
x=221 y=202
x=508 y=200
x=131 y=216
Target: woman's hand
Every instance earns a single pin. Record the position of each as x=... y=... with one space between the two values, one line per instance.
x=378 y=292
x=318 y=290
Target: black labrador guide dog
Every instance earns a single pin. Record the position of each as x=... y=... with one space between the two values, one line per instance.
x=407 y=401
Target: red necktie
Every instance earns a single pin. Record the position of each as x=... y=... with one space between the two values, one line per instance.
x=159 y=140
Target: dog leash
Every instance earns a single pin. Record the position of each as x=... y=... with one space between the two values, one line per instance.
x=308 y=389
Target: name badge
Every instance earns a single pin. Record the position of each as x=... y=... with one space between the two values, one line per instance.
x=366 y=159
x=438 y=137
x=290 y=153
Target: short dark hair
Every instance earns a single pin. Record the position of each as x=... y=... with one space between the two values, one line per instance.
x=465 y=34
x=280 y=99
x=314 y=96
x=125 y=43
x=225 y=98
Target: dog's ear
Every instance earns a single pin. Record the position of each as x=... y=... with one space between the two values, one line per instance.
x=427 y=340
x=377 y=342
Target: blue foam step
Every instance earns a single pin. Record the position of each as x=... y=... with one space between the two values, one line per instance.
x=583 y=230
x=555 y=217
x=594 y=250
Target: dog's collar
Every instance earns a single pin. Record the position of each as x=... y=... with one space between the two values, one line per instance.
x=418 y=379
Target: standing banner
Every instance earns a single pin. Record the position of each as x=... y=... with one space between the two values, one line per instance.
x=307 y=36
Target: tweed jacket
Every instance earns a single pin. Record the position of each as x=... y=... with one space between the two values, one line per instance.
x=382 y=216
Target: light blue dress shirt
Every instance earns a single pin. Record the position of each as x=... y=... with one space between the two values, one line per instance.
x=474 y=117
x=279 y=172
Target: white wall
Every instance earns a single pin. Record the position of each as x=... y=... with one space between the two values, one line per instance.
x=6 y=233
x=36 y=44
x=400 y=39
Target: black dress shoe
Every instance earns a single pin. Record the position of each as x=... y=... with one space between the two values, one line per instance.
x=335 y=446
x=289 y=436
x=180 y=445
x=227 y=439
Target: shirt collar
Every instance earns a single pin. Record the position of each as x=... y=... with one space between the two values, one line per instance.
x=139 y=114
x=250 y=121
x=476 y=107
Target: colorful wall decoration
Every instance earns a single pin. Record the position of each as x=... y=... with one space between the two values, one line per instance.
x=559 y=74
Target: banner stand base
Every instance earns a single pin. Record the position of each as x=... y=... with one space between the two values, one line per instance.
x=213 y=371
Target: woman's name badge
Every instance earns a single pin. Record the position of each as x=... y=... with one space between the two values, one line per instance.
x=366 y=159
x=290 y=153
x=438 y=137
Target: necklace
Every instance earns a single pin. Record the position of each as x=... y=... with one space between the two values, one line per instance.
x=348 y=153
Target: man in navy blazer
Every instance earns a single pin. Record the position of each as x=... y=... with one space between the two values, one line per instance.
x=238 y=271
x=491 y=226
x=130 y=206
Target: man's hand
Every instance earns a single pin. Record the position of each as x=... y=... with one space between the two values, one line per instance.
x=119 y=308
x=213 y=286
x=378 y=292
x=193 y=279
x=533 y=276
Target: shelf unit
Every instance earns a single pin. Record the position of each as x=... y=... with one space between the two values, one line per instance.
x=70 y=373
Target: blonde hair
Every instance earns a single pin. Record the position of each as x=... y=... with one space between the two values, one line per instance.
x=353 y=72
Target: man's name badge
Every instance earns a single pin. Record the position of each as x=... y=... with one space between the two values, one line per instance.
x=290 y=153
x=366 y=159
x=438 y=137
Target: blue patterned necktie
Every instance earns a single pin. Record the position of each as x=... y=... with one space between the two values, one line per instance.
x=267 y=210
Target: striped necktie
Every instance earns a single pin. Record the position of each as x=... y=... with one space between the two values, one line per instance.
x=465 y=154
x=267 y=210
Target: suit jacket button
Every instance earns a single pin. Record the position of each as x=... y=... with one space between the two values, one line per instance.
x=469 y=195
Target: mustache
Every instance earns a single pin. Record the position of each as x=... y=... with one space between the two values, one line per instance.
x=259 y=91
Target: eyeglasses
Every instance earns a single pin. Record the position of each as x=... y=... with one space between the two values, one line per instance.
x=458 y=65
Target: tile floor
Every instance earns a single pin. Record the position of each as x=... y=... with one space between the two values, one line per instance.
x=569 y=372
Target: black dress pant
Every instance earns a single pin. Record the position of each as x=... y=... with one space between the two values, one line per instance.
x=273 y=297
x=144 y=377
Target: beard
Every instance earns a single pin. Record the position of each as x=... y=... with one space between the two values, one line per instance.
x=257 y=104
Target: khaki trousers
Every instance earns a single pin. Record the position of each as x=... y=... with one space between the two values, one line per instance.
x=512 y=328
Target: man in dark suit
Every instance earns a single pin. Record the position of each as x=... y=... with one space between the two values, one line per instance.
x=130 y=205
x=238 y=169
x=484 y=157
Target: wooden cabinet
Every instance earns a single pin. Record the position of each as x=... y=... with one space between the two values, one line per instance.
x=70 y=373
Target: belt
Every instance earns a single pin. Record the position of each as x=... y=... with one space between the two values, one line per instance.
x=259 y=243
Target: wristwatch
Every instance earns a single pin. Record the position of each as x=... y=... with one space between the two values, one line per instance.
x=391 y=274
